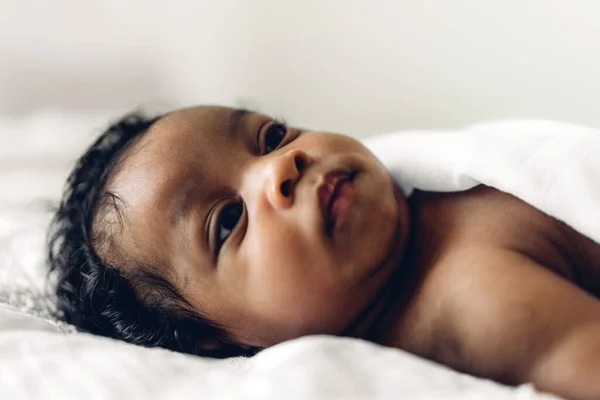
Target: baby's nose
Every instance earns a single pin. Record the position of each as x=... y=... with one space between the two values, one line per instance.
x=285 y=171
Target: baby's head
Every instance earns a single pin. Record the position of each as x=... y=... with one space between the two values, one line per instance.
x=208 y=231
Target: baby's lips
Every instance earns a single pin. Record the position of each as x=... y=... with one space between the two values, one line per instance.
x=325 y=193
x=327 y=189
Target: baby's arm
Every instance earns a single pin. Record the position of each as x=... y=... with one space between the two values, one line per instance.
x=517 y=322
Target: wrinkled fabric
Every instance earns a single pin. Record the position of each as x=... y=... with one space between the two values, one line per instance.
x=553 y=166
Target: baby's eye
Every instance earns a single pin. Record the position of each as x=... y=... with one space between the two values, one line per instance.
x=228 y=220
x=274 y=136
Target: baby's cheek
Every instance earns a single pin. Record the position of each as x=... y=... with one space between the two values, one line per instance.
x=375 y=229
x=298 y=304
x=283 y=265
x=278 y=287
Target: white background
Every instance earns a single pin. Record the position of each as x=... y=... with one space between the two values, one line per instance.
x=352 y=66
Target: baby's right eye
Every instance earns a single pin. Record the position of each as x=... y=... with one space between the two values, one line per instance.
x=228 y=219
x=274 y=136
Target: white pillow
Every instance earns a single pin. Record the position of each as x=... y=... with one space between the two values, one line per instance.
x=36 y=155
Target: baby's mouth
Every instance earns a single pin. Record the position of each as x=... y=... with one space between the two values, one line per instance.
x=334 y=197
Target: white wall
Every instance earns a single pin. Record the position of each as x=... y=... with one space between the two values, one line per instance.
x=351 y=66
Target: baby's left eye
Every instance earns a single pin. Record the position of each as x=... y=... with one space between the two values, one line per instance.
x=274 y=136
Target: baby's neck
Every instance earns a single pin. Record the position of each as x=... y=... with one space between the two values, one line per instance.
x=394 y=302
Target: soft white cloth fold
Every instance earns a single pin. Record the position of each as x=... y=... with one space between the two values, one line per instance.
x=553 y=166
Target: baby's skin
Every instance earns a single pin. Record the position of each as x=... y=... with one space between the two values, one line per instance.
x=275 y=232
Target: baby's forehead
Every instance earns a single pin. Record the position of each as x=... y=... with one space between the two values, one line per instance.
x=205 y=118
x=172 y=133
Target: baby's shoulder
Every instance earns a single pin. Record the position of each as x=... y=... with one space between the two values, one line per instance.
x=488 y=218
x=484 y=217
x=481 y=213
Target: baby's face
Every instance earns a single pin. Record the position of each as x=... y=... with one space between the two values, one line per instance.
x=228 y=202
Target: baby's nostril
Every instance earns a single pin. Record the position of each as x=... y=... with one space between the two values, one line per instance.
x=299 y=161
x=286 y=188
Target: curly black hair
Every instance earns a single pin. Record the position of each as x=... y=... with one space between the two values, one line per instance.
x=98 y=296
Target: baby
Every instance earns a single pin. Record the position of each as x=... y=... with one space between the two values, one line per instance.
x=221 y=232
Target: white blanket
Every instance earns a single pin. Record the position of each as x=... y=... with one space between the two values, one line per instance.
x=552 y=166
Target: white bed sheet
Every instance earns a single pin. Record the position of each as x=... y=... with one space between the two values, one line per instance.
x=39 y=358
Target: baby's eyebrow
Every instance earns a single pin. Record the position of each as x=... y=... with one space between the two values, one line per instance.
x=234 y=120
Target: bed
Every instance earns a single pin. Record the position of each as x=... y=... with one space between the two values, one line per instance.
x=44 y=358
